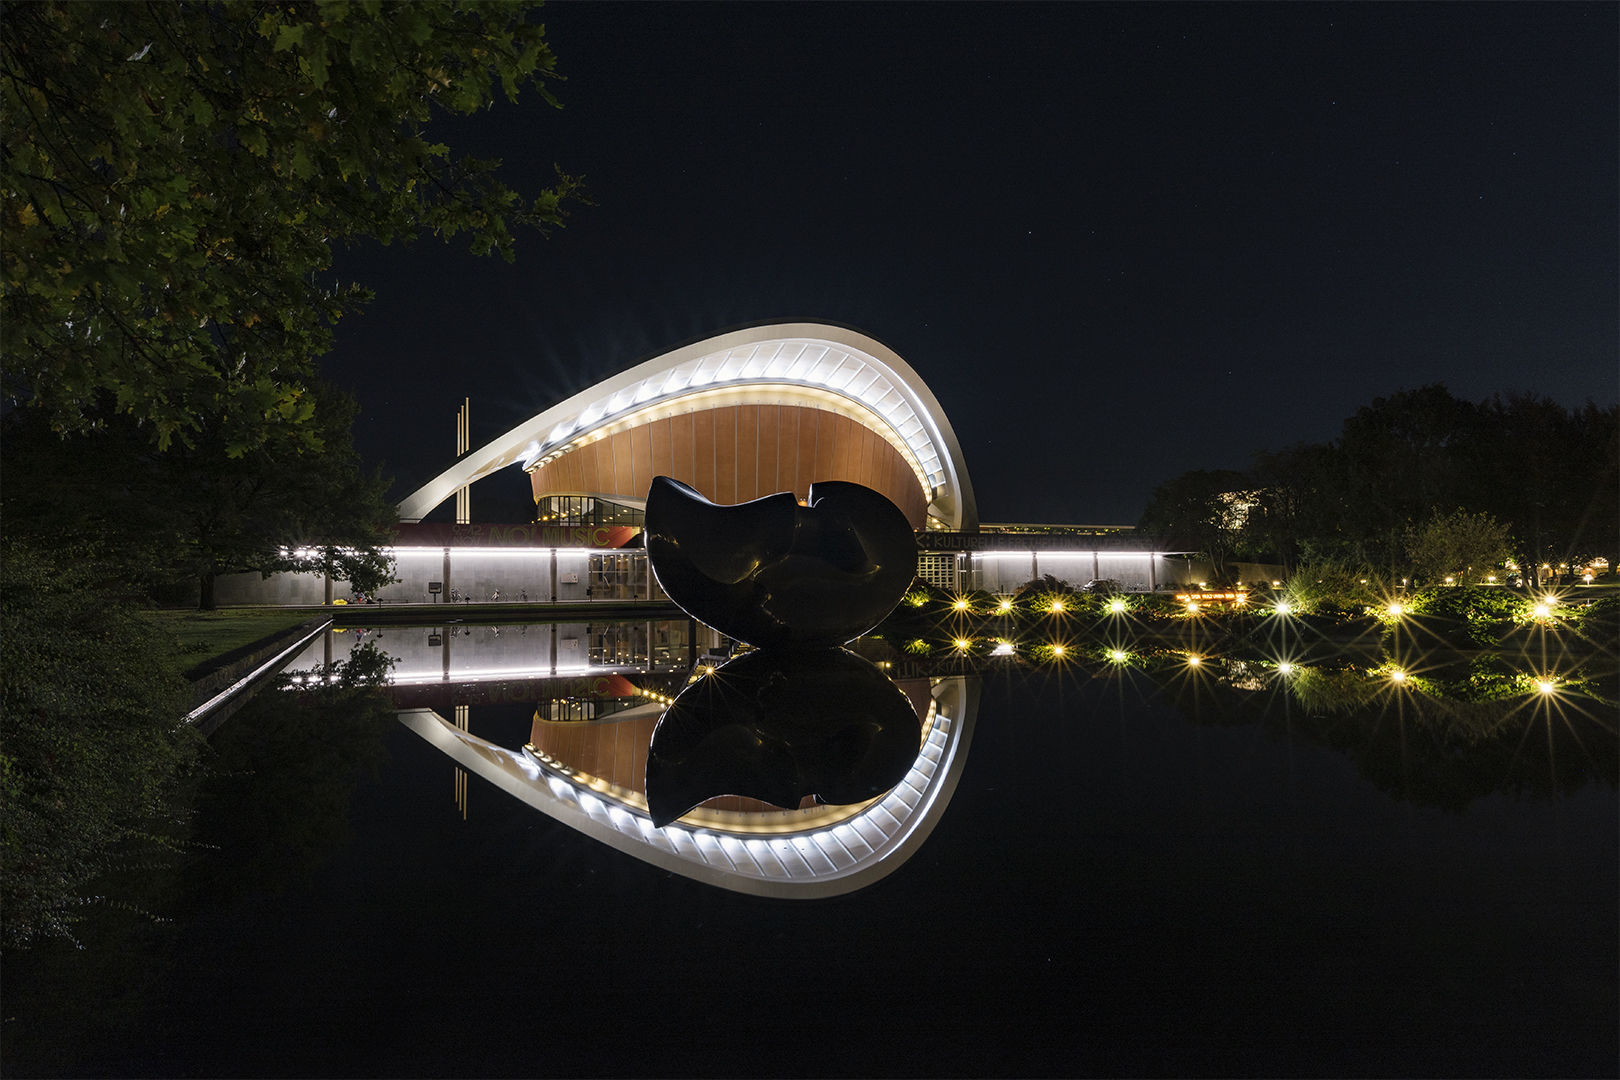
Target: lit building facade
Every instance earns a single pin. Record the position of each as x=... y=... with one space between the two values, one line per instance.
x=738 y=416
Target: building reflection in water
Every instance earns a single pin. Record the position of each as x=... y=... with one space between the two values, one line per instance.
x=585 y=761
x=591 y=776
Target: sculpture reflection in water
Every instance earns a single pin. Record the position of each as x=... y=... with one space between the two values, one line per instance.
x=782 y=726
x=796 y=770
x=801 y=717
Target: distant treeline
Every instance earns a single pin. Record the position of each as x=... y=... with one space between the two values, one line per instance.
x=1416 y=482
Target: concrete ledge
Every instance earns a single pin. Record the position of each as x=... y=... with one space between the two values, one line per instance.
x=222 y=685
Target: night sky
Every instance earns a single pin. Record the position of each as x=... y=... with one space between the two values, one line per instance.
x=1117 y=242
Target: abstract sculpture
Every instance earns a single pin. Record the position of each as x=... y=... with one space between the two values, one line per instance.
x=771 y=572
x=801 y=716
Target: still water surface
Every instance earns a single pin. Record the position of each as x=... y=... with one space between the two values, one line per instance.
x=1139 y=872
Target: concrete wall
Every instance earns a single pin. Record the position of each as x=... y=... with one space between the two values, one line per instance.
x=276 y=590
x=472 y=652
x=475 y=573
x=1181 y=573
x=1007 y=572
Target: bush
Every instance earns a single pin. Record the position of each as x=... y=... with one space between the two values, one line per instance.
x=1600 y=620
x=1334 y=589
x=1469 y=603
x=95 y=744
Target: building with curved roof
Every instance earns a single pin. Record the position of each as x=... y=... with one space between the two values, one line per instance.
x=737 y=416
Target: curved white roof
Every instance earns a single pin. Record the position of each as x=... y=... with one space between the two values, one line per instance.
x=816 y=860
x=821 y=358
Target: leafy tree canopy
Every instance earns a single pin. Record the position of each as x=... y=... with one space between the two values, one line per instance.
x=173 y=175
x=1526 y=476
x=1206 y=508
x=192 y=512
x=1459 y=545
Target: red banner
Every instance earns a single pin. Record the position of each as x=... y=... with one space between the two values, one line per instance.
x=427 y=534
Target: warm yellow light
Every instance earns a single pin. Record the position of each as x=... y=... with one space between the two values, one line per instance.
x=1398 y=676
x=1116 y=605
x=1194 y=660
x=1542 y=611
x=1005 y=605
x=1285 y=608
x=1285 y=668
x=1192 y=608
x=960 y=605
x=1490 y=577
x=1057 y=650
x=1057 y=606
x=1544 y=685
x=1396 y=609
x=1203 y=584
x=1116 y=655
x=963 y=644
x=1276 y=584
x=1450 y=580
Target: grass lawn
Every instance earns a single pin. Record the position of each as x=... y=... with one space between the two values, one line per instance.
x=203 y=634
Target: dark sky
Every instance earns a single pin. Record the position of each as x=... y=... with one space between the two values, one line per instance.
x=1117 y=242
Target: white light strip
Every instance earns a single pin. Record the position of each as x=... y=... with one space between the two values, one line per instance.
x=535 y=549
x=490 y=674
x=798 y=356
x=818 y=860
x=1054 y=554
x=218 y=699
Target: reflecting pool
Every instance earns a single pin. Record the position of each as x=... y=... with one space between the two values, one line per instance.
x=1144 y=854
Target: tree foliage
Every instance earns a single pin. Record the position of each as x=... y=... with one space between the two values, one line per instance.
x=174 y=174
x=1468 y=547
x=1385 y=495
x=193 y=512
x=1206 y=509
x=91 y=704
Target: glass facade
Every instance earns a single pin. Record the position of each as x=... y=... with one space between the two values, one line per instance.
x=584 y=510
x=651 y=646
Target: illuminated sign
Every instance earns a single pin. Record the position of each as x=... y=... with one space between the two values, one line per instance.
x=1212 y=597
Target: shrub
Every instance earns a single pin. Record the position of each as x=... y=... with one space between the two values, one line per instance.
x=1471 y=603
x=95 y=744
x=1333 y=589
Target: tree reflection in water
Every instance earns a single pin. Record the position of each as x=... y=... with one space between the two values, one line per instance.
x=276 y=803
x=1426 y=718
x=1409 y=739
x=271 y=806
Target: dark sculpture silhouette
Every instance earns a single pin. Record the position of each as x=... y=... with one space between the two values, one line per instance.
x=774 y=573
x=779 y=725
x=801 y=716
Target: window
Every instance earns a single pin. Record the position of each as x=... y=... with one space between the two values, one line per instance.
x=938 y=570
x=584 y=510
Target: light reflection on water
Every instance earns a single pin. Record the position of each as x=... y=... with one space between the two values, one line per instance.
x=1427 y=723
x=1138 y=852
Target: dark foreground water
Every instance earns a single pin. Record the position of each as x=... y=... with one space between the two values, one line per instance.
x=1120 y=886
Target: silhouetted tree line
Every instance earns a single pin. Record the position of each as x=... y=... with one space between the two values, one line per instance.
x=167 y=522
x=1545 y=475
